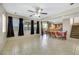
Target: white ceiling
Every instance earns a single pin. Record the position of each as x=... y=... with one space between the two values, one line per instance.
x=50 y=8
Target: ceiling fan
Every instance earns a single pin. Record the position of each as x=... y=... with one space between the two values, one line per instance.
x=37 y=12
x=71 y=3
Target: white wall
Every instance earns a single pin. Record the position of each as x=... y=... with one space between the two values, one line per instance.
x=76 y=19
x=67 y=27
x=0 y=24
x=2 y=39
x=0 y=27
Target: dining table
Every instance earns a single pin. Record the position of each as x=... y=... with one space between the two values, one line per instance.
x=57 y=34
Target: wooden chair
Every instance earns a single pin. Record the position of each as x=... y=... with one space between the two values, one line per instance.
x=62 y=34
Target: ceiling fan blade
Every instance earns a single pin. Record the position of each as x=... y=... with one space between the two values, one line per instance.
x=30 y=11
x=71 y=3
x=31 y=15
x=44 y=13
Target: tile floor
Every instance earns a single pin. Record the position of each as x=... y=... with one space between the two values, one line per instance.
x=40 y=45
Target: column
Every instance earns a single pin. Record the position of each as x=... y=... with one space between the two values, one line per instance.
x=38 y=29
x=32 y=26
x=4 y=24
x=41 y=28
x=21 y=29
x=10 y=31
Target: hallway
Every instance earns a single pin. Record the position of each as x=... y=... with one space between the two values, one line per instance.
x=36 y=45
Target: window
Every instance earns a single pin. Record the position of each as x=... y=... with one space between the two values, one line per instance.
x=15 y=26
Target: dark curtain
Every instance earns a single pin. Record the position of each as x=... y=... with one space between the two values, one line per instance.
x=32 y=26
x=37 y=30
x=21 y=30
x=41 y=28
x=10 y=31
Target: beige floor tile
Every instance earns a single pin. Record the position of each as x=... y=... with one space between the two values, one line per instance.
x=36 y=45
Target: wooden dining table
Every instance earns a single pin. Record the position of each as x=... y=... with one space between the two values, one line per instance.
x=58 y=34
